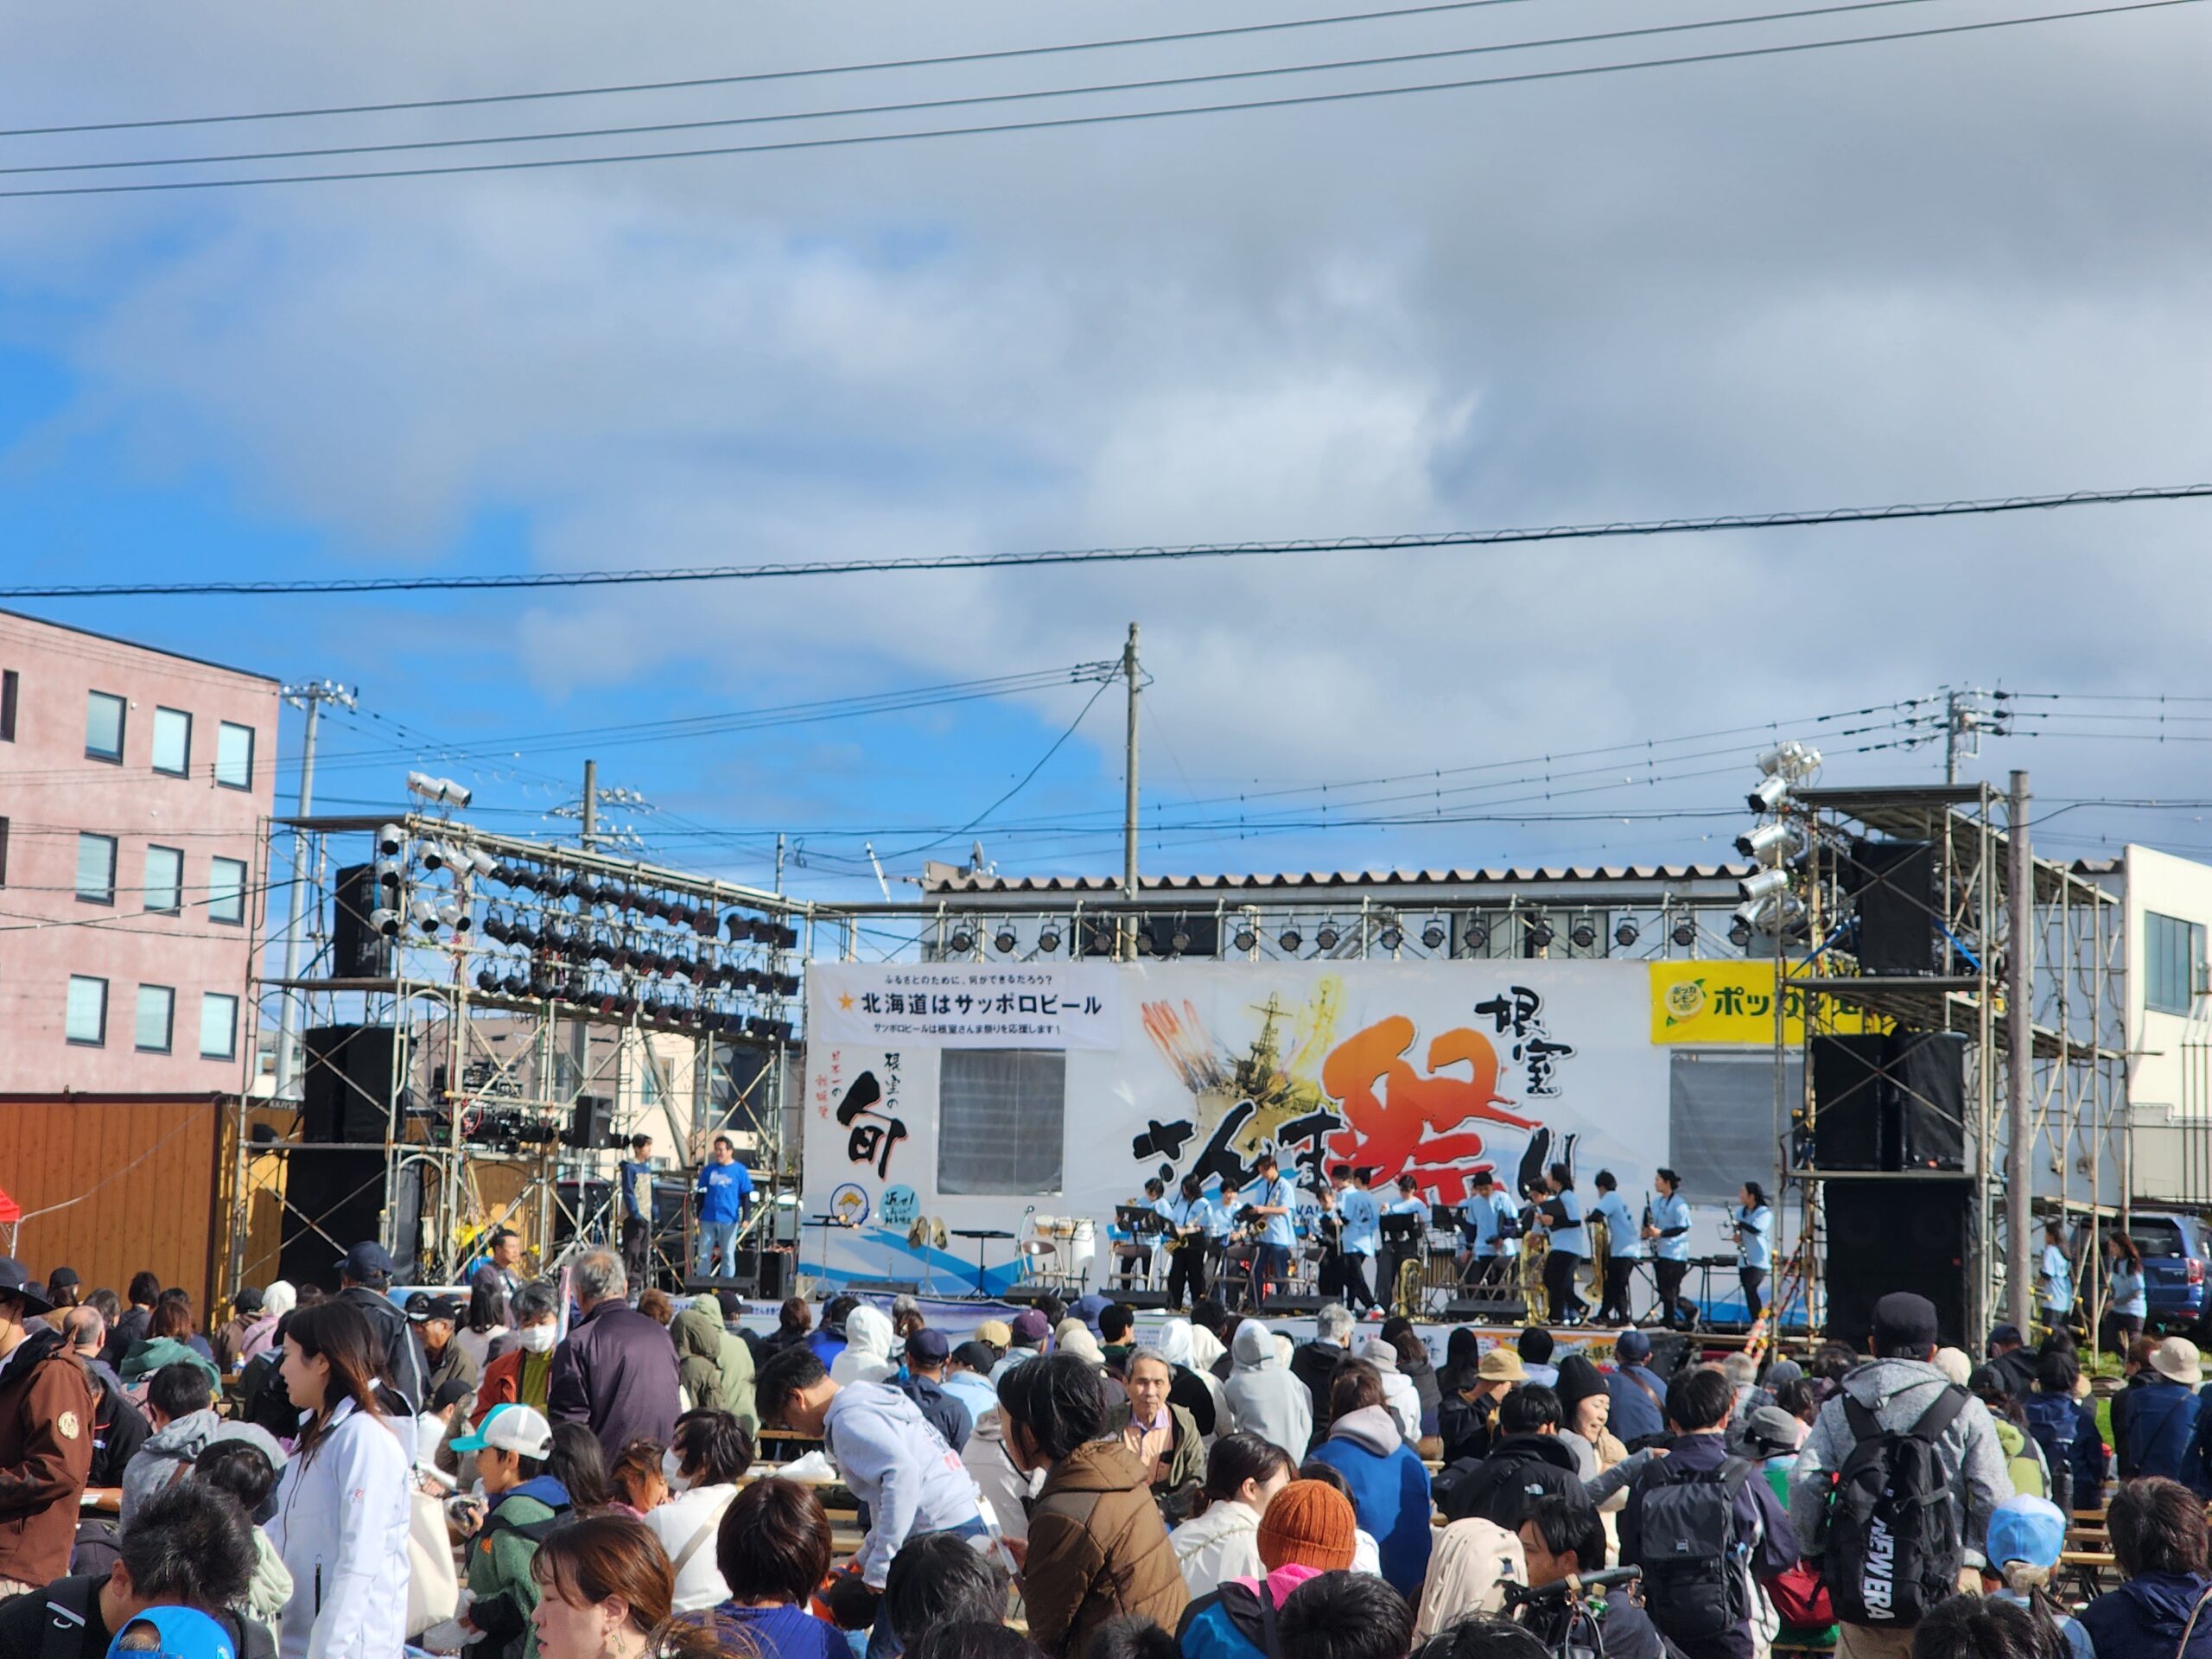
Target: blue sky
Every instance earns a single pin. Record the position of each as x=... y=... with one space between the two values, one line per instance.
x=1968 y=268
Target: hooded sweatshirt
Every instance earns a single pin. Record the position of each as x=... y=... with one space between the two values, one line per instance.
x=1473 y=1558
x=167 y=1455
x=2144 y=1617
x=148 y=1354
x=1398 y=1392
x=1263 y=1397
x=1899 y=1392
x=1222 y=1544
x=1194 y=1389
x=1005 y=1488
x=1389 y=1490
x=898 y=1465
x=1097 y=1550
x=1228 y=1624
x=715 y=1366
x=866 y=1356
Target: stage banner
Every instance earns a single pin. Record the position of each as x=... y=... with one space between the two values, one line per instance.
x=963 y=1004
x=1724 y=1003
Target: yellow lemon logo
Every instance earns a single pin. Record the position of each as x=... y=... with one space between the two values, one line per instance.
x=1685 y=999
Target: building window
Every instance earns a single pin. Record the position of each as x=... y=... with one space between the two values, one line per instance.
x=104 y=727
x=156 y=1015
x=96 y=869
x=8 y=682
x=1001 y=1117
x=234 y=756
x=2173 y=952
x=88 y=1011
x=226 y=890
x=164 y=880
x=218 y=1027
x=173 y=742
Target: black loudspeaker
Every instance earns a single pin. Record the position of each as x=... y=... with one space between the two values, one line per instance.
x=1927 y=1089
x=1898 y=1235
x=357 y=949
x=347 y=1092
x=333 y=1200
x=591 y=1124
x=1670 y=1350
x=1848 y=1105
x=1894 y=881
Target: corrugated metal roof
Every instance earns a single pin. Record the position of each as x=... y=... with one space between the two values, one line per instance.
x=1283 y=881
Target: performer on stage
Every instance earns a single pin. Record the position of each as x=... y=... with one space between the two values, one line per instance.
x=1489 y=1216
x=1189 y=1235
x=1357 y=1207
x=1754 y=1246
x=1667 y=1229
x=1132 y=1251
x=1270 y=1197
x=1624 y=1250
x=1561 y=1217
x=1408 y=1202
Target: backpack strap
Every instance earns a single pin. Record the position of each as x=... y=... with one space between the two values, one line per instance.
x=1940 y=1416
x=2188 y=1629
x=1271 y=1638
x=1864 y=1425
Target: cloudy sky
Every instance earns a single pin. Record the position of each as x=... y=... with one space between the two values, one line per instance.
x=1970 y=265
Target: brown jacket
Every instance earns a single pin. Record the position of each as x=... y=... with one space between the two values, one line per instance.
x=1097 y=1550
x=46 y=1454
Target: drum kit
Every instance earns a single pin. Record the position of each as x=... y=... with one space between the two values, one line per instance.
x=1057 y=1252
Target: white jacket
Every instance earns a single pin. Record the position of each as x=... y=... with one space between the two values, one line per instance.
x=867 y=1355
x=341 y=1529
x=1222 y=1544
x=689 y=1518
x=998 y=1483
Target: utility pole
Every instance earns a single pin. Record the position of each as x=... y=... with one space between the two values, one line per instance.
x=2019 y=1016
x=1950 y=737
x=311 y=698
x=1129 y=802
x=588 y=836
x=591 y=804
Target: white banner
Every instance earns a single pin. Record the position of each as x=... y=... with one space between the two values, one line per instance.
x=963 y=1004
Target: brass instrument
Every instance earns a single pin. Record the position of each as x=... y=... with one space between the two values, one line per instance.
x=1601 y=1249
x=1405 y=1293
x=1536 y=1245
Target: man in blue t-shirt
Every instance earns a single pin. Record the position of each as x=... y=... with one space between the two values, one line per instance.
x=725 y=1188
x=1361 y=1233
x=635 y=1176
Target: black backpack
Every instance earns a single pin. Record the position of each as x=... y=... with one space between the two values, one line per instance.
x=1694 y=1584
x=1892 y=1549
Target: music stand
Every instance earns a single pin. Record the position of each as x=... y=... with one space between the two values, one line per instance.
x=981 y=1235
x=1140 y=1220
x=825 y=1223
x=1404 y=1229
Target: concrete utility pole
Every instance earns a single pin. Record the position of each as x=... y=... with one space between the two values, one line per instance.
x=2019 y=1058
x=591 y=804
x=1950 y=737
x=1129 y=806
x=310 y=697
x=588 y=835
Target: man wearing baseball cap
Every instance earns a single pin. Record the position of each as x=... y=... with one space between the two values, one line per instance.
x=923 y=1383
x=444 y=1360
x=46 y=1436
x=1028 y=1337
x=366 y=1271
x=1639 y=1397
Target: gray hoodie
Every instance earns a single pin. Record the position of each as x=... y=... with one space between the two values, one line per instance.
x=169 y=1453
x=1899 y=1392
x=1264 y=1398
x=898 y=1465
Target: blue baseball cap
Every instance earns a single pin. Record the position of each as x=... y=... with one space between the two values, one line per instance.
x=2030 y=1529
x=171 y=1633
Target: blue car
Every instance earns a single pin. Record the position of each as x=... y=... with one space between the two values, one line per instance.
x=2176 y=1268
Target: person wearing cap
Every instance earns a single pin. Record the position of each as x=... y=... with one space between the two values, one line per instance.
x=46 y=1435
x=1639 y=1397
x=1307 y=1529
x=2026 y=1535
x=1899 y=1387
x=65 y=1290
x=2161 y=1415
x=364 y=1275
x=1026 y=1337
x=511 y=1446
x=967 y=1378
x=1466 y=1422
x=173 y=1633
x=436 y=1319
x=616 y=1371
x=923 y=1381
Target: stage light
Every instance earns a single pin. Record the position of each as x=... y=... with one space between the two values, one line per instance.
x=1539 y=932
x=1793 y=760
x=1247 y=939
x=453 y=918
x=1478 y=934
x=613 y=895
x=432 y=857
x=1180 y=940
x=1739 y=933
x=1759 y=883
x=1003 y=941
x=1048 y=941
x=962 y=942
x=1583 y=934
x=390 y=839
x=424 y=915
x=681 y=965
x=441 y=791
x=1432 y=936
x=481 y=861
x=1326 y=938
x=515 y=985
x=1770 y=794
x=388 y=872
x=1625 y=935
x=385 y=920
x=1771 y=843
x=1685 y=934
x=786 y=985
x=1391 y=935
x=486 y=980
x=495 y=927
x=1146 y=946
x=1289 y=940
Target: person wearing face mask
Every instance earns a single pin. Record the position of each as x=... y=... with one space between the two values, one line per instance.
x=522 y=1376
x=709 y=1451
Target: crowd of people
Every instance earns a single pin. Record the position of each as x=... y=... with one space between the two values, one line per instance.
x=565 y=1470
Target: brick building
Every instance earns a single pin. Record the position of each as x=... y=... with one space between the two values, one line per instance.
x=136 y=787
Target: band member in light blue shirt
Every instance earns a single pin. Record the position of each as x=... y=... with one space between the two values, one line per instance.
x=1667 y=1229
x=1356 y=1204
x=1487 y=1218
x=1190 y=1230
x=1754 y=1245
x=1269 y=1194
x=1561 y=1216
x=1408 y=1202
x=2055 y=1276
x=1624 y=1249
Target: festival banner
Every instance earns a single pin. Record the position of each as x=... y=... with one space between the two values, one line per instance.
x=963 y=1004
x=1724 y=1003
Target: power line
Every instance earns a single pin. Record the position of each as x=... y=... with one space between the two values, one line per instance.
x=1027 y=778
x=614 y=578
x=1113 y=117
x=967 y=101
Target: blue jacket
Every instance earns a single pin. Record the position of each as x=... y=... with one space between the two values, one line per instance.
x=2055 y=1426
x=2144 y=1617
x=2161 y=1423
x=1389 y=1491
x=1635 y=1416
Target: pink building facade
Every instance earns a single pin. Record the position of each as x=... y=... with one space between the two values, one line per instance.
x=136 y=788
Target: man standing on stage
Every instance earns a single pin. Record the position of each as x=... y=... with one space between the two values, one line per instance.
x=1667 y=1229
x=1624 y=1249
x=1362 y=1235
x=1408 y=1202
x=1190 y=1228
x=725 y=1188
x=1489 y=1216
x=1270 y=1196
x=636 y=1173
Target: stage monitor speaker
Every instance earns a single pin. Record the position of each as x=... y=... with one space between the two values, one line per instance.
x=1493 y=1310
x=591 y=1123
x=357 y=949
x=347 y=1092
x=1848 y=1103
x=1670 y=1350
x=883 y=1287
x=1142 y=1300
x=1895 y=887
x=1284 y=1302
x=1927 y=1089
x=333 y=1201
x=1898 y=1235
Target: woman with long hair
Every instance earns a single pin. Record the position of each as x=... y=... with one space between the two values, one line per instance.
x=1754 y=1220
x=794 y=1322
x=340 y=1526
x=604 y=1587
x=486 y=1323
x=2129 y=1306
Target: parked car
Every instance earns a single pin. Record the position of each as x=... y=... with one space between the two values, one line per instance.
x=2176 y=1268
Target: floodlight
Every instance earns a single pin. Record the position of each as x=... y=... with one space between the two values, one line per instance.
x=434 y=855
x=1772 y=844
x=1625 y=934
x=1391 y=935
x=1759 y=883
x=1770 y=795
x=1180 y=940
x=1247 y=939
x=495 y=927
x=453 y=918
x=481 y=861
x=1793 y=760
x=1739 y=933
x=1583 y=934
x=1146 y=946
x=390 y=839
x=1048 y=941
x=515 y=985
x=386 y=921
x=1685 y=934
x=962 y=942
x=1289 y=940
x=439 y=790
x=1478 y=934
x=486 y=979
x=1432 y=936
x=424 y=915
x=1539 y=932
x=1326 y=938
x=1003 y=941
x=388 y=872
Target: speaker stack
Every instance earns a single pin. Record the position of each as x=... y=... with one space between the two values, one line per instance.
x=334 y=1191
x=1888 y=1101
x=1887 y=1236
